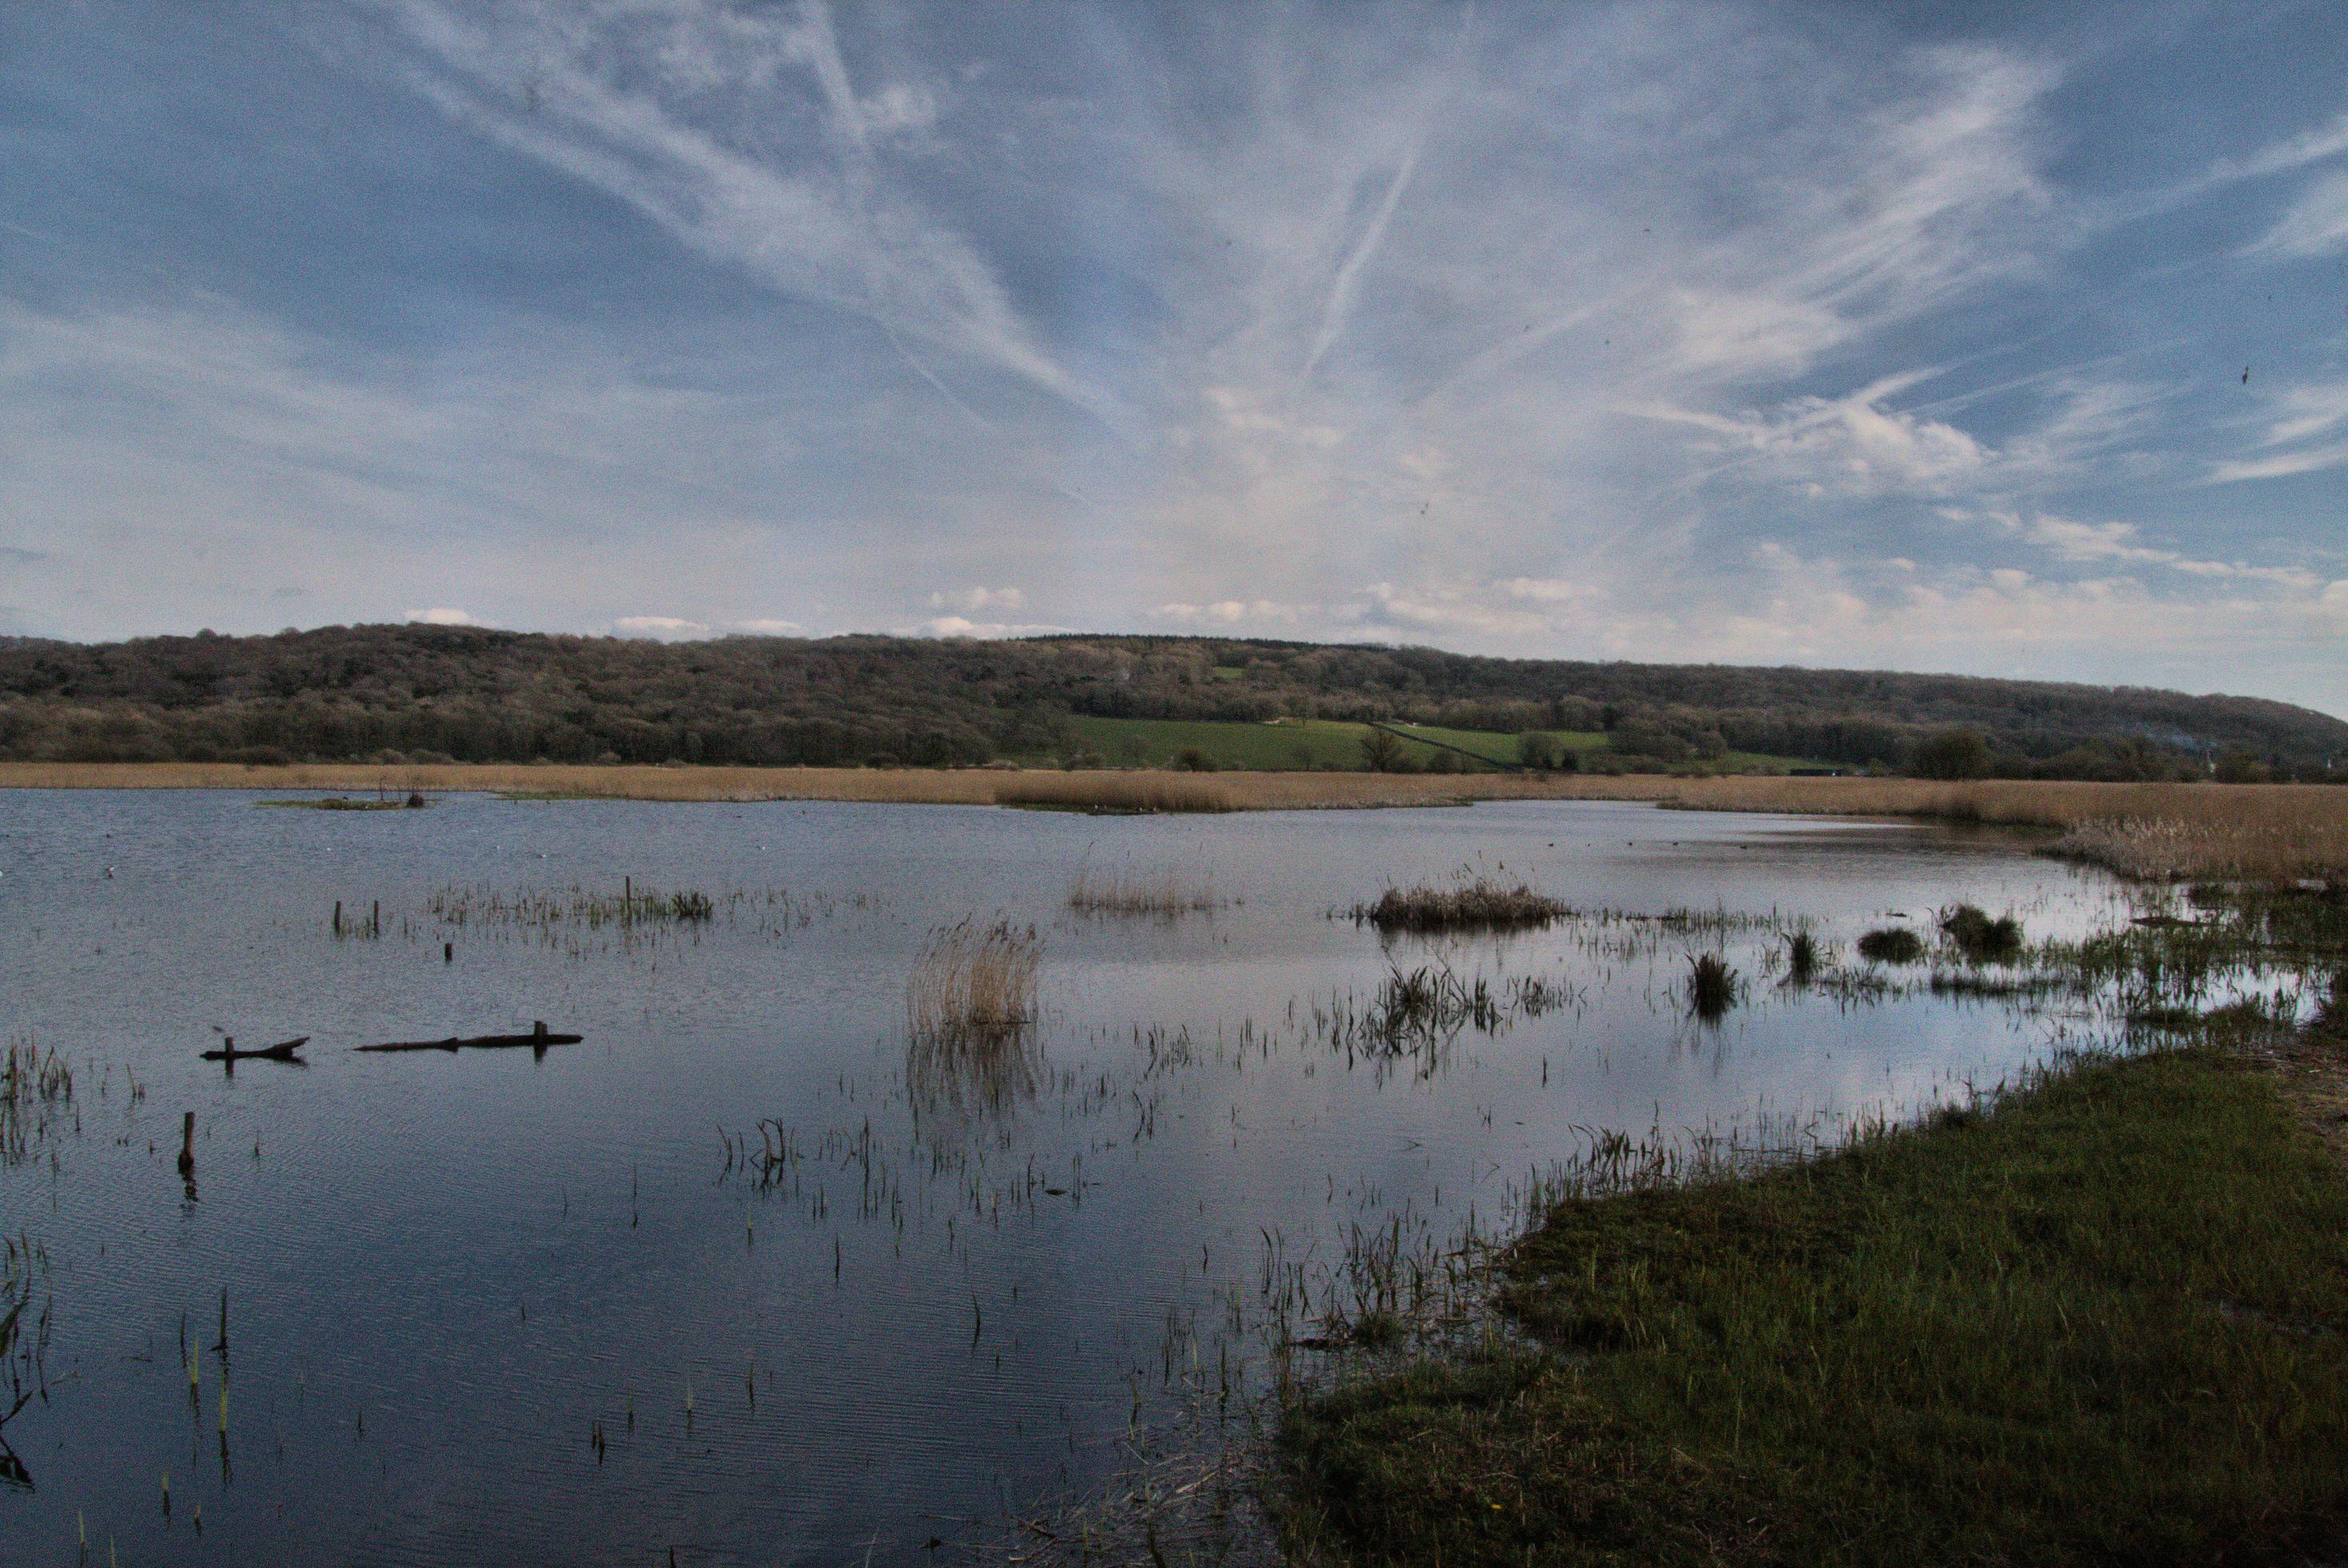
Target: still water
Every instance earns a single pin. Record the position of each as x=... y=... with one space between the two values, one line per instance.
x=448 y=1276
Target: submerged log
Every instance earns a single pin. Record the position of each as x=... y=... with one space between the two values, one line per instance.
x=283 y=1051
x=539 y=1038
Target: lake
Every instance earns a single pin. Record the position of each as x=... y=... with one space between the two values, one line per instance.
x=516 y=1305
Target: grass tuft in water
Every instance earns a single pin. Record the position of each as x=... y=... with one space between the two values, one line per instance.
x=1977 y=938
x=1473 y=902
x=1712 y=987
x=1891 y=944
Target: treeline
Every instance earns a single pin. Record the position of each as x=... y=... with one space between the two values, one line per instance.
x=467 y=694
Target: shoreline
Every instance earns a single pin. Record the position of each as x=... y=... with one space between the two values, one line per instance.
x=2029 y=802
x=2149 y=831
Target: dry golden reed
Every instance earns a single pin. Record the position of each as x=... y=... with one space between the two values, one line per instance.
x=1164 y=892
x=974 y=983
x=2262 y=830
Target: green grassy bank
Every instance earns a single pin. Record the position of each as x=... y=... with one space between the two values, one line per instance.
x=1312 y=744
x=2106 y=1323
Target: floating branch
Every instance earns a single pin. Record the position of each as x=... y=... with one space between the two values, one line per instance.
x=539 y=1038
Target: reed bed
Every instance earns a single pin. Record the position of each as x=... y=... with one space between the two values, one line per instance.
x=2266 y=831
x=974 y=983
x=1473 y=902
x=1164 y=892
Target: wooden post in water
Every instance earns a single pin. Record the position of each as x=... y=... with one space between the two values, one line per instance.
x=338 y=917
x=188 y=1144
x=448 y=952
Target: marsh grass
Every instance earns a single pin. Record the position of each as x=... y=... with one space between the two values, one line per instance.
x=1891 y=944
x=37 y=1091
x=972 y=985
x=2100 y=1321
x=1712 y=987
x=1474 y=900
x=1977 y=938
x=413 y=802
x=1801 y=957
x=1118 y=794
x=1164 y=892
x=2172 y=832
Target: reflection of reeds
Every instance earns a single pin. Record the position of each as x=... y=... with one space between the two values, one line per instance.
x=969 y=1011
x=1164 y=892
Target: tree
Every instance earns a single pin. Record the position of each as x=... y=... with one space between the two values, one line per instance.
x=2242 y=766
x=1952 y=754
x=1381 y=752
x=1537 y=751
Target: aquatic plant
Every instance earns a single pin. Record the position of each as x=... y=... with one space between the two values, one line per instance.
x=973 y=985
x=1474 y=900
x=1164 y=892
x=1977 y=938
x=1891 y=944
x=1801 y=957
x=36 y=1087
x=1711 y=986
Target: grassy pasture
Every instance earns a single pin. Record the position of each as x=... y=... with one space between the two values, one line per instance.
x=1309 y=744
x=2100 y=1323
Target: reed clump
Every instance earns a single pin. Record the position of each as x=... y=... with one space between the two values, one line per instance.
x=1801 y=957
x=36 y=1087
x=1712 y=987
x=1473 y=902
x=1164 y=892
x=973 y=985
x=1979 y=939
x=1891 y=944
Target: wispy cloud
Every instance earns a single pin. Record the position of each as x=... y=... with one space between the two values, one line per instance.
x=609 y=98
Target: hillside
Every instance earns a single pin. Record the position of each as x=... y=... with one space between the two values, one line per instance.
x=476 y=694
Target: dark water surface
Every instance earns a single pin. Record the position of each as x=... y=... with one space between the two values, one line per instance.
x=445 y=1273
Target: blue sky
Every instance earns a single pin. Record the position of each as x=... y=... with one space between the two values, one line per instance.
x=1833 y=334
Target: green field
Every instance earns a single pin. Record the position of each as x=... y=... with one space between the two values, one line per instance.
x=1317 y=742
x=1287 y=745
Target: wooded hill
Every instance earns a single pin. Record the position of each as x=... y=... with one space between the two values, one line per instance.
x=467 y=693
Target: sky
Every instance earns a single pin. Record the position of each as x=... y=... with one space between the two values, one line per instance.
x=1998 y=338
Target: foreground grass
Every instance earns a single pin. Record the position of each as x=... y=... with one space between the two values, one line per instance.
x=2104 y=1323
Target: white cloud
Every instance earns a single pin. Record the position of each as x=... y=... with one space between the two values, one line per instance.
x=2299 y=415
x=2316 y=223
x=1232 y=611
x=766 y=627
x=443 y=616
x=962 y=626
x=621 y=105
x=970 y=600
x=662 y=628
